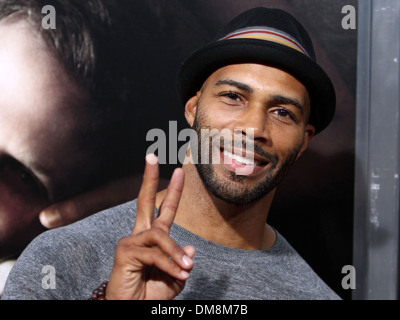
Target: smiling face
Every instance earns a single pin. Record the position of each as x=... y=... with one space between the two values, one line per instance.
x=42 y=125
x=250 y=98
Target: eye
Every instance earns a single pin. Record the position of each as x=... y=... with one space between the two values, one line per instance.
x=283 y=113
x=26 y=177
x=232 y=97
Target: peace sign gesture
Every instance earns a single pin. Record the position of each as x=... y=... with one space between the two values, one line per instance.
x=148 y=264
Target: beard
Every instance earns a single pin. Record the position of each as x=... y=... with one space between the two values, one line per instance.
x=235 y=190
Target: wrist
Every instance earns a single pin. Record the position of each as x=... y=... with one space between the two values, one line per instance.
x=100 y=292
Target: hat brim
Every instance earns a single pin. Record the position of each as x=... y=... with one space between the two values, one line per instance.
x=196 y=69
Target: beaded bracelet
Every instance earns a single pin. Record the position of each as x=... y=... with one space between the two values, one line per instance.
x=100 y=292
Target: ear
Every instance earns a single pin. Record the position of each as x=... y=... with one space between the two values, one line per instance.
x=191 y=108
x=308 y=135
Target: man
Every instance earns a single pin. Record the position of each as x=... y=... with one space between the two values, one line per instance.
x=66 y=115
x=205 y=237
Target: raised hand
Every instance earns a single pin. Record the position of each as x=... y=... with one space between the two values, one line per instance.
x=148 y=264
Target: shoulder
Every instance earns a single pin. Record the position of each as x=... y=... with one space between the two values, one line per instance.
x=299 y=275
x=94 y=233
x=114 y=222
x=74 y=252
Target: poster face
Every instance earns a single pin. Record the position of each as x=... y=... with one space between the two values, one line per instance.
x=80 y=93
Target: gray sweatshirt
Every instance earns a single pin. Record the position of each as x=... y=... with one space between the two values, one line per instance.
x=70 y=262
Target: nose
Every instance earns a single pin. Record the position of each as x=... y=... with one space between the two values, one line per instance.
x=253 y=124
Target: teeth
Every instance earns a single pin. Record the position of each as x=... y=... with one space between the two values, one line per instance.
x=239 y=158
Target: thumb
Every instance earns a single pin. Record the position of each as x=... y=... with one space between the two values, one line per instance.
x=85 y=204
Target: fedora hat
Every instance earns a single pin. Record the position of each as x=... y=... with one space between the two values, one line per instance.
x=266 y=36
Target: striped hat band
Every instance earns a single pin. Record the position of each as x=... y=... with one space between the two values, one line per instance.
x=267 y=34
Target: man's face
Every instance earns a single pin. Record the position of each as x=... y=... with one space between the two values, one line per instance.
x=41 y=122
x=268 y=109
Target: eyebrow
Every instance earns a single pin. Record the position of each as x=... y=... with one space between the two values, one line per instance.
x=236 y=84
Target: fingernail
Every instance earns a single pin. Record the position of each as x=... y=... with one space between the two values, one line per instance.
x=49 y=220
x=187 y=261
x=151 y=158
x=184 y=274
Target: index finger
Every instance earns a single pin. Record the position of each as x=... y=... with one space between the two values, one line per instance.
x=147 y=195
x=170 y=203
